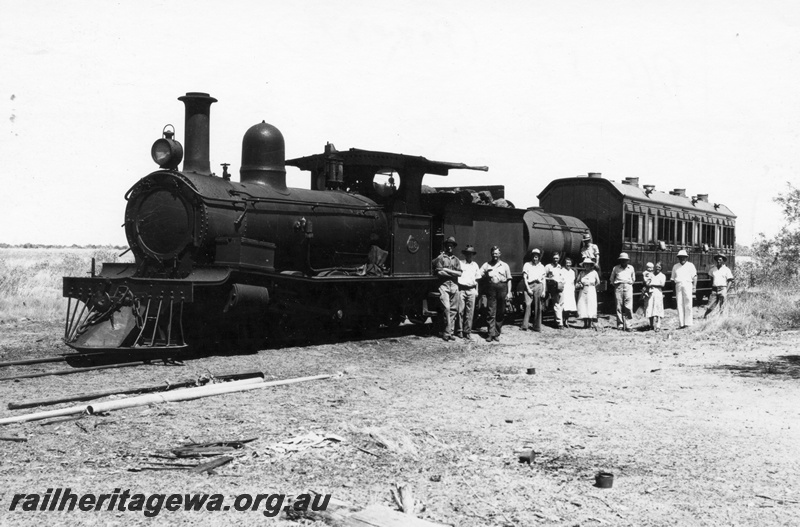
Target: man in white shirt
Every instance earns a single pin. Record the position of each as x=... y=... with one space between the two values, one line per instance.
x=533 y=276
x=467 y=293
x=554 y=277
x=622 y=278
x=684 y=276
x=721 y=278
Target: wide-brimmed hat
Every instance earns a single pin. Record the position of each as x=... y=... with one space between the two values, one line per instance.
x=469 y=249
x=536 y=251
x=587 y=261
x=724 y=258
x=451 y=240
x=587 y=237
x=623 y=256
x=683 y=252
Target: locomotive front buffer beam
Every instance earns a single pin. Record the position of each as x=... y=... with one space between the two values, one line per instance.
x=125 y=314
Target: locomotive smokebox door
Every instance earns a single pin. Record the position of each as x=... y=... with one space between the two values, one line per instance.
x=411 y=245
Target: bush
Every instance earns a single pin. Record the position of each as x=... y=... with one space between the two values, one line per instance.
x=765 y=308
x=31 y=279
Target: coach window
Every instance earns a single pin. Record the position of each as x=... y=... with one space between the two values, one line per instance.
x=679 y=232
x=707 y=234
x=650 y=229
x=666 y=230
x=727 y=237
x=632 y=227
x=689 y=232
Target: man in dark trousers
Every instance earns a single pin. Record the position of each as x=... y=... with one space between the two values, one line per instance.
x=497 y=272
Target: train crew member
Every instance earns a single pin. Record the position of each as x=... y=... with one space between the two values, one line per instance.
x=590 y=250
x=684 y=276
x=467 y=292
x=533 y=276
x=499 y=275
x=568 y=294
x=655 y=303
x=587 y=293
x=554 y=276
x=721 y=278
x=622 y=278
x=448 y=268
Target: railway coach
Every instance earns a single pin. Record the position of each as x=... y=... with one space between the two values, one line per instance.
x=649 y=224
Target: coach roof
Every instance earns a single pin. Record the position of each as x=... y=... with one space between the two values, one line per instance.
x=637 y=194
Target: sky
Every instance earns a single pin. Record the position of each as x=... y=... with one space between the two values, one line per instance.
x=700 y=94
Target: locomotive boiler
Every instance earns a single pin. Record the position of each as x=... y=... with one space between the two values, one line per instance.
x=233 y=262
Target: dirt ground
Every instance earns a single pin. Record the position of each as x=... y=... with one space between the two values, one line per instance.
x=698 y=429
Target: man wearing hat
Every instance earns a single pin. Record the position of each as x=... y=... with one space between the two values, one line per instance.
x=721 y=278
x=467 y=293
x=622 y=278
x=684 y=277
x=554 y=285
x=499 y=291
x=590 y=250
x=533 y=275
x=448 y=268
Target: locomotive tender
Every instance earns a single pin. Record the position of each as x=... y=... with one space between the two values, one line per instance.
x=225 y=262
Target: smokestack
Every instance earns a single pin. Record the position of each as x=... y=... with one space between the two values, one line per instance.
x=595 y=174
x=703 y=197
x=196 y=136
x=679 y=192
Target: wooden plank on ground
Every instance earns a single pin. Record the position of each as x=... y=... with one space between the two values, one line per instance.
x=381 y=516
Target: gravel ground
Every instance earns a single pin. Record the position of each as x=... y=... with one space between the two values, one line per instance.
x=697 y=428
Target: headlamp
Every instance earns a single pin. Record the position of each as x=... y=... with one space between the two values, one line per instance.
x=167 y=152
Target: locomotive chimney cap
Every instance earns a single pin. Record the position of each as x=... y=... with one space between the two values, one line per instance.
x=196 y=95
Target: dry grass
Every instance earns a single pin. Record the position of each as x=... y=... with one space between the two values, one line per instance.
x=752 y=311
x=30 y=279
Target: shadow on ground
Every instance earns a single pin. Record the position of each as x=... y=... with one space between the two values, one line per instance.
x=787 y=366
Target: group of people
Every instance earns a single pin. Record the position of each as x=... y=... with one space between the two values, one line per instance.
x=684 y=278
x=459 y=279
x=458 y=290
x=571 y=291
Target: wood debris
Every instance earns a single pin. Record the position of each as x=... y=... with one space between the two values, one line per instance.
x=304 y=442
x=211 y=465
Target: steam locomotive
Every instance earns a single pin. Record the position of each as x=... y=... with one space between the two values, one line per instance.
x=229 y=263
x=218 y=260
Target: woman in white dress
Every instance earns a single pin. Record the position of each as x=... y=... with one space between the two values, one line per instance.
x=587 y=298
x=568 y=294
x=655 y=303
